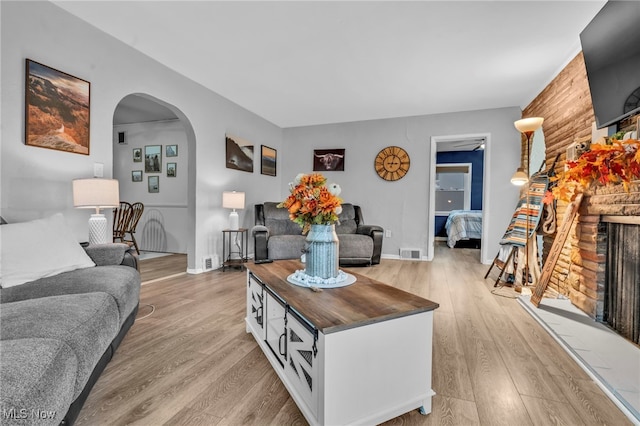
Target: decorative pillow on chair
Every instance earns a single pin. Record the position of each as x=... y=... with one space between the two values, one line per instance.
x=38 y=249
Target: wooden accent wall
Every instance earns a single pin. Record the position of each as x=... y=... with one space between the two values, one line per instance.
x=565 y=105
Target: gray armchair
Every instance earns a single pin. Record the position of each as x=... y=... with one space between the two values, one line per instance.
x=277 y=237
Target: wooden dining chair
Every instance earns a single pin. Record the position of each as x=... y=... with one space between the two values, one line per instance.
x=136 y=212
x=121 y=217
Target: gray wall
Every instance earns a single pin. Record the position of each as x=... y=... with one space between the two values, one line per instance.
x=162 y=227
x=36 y=182
x=402 y=206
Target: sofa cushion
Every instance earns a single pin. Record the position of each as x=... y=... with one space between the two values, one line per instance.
x=278 y=222
x=347 y=220
x=39 y=248
x=286 y=246
x=355 y=246
x=121 y=282
x=38 y=376
x=87 y=323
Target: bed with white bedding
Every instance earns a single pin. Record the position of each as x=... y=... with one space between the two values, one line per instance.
x=463 y=225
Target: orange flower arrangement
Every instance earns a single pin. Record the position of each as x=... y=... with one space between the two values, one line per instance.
x=312 y=202
x=615 y=163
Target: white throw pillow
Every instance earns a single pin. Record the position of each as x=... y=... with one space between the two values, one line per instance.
x=37 y=249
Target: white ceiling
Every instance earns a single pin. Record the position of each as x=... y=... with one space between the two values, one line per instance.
x=299 y=63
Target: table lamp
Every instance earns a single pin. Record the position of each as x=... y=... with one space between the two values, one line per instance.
x=96 y=194
x=233 y=200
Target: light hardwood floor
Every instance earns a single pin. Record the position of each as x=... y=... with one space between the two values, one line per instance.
x=192 y=363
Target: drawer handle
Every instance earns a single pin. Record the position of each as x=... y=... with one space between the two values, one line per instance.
x=282 y=344
x=259 y=315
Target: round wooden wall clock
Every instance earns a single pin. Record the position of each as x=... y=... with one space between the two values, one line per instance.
x=392 y=163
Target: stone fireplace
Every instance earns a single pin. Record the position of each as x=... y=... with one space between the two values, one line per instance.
x=601 y=275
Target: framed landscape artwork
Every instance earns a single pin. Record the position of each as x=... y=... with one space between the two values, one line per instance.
x=328 y=160
x=269 y=157
x=56 y=109
x=154 y=184
x=152 y=158
x=136 y=176
x=239 y=154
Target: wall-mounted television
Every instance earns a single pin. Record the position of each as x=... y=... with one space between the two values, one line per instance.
x=611 y=49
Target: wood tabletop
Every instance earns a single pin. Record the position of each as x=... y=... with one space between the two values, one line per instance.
x=365 y=302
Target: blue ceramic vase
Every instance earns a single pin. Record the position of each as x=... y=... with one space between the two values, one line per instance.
x=321 y=259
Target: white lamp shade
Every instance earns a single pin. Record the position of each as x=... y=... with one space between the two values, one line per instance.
x=519 y=178
x=233 y=200
x=530 y=124
x=95 y=193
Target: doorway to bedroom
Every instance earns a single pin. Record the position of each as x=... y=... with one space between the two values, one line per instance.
x=457 y=192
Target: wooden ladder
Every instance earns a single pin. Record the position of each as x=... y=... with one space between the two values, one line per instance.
x=556 y=249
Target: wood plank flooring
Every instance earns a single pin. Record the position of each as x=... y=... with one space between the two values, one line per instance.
x=163 y=266
x=192 y=363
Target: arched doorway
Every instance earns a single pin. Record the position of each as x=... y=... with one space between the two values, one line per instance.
x=144 y=126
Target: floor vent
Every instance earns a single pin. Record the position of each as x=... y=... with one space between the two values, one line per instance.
x=207 y=263
x=410 y=253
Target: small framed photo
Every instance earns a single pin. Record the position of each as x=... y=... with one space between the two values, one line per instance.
x=171 y=169
x=269 y=156
x=136 y=176
x=154 y=184
x=137 y=155
x=171 y=150
x=152 y=158
x=328 y=160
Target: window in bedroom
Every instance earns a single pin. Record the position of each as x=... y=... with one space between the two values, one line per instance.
x=453 y=187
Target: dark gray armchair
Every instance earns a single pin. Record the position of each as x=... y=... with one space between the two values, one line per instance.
x=277 y=237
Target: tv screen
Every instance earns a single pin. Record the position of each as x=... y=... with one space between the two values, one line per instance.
x=611 y=49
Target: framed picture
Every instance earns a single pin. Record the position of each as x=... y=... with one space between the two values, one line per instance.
x=56 y=109
x=171 y=169
x=328 y=160
x=171 y=150
x=136 y=176
x=152 y=158
x=268 y=157
x=137 y=155
x=154 y=183
x=239 y=154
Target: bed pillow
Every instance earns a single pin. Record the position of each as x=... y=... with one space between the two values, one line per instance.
x=38 y=249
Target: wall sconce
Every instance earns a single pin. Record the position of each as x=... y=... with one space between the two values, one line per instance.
x=233 y=200
x=96 y=194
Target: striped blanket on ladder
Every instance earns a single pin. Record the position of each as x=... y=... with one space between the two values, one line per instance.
x=529 y=205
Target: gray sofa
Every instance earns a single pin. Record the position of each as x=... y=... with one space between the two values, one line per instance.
x=58 y=333
x=278 y=237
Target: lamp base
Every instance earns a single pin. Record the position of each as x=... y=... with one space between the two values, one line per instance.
x=233 y=221
x=98 y=229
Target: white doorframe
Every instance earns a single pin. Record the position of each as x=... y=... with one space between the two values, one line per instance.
x=432 y=191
